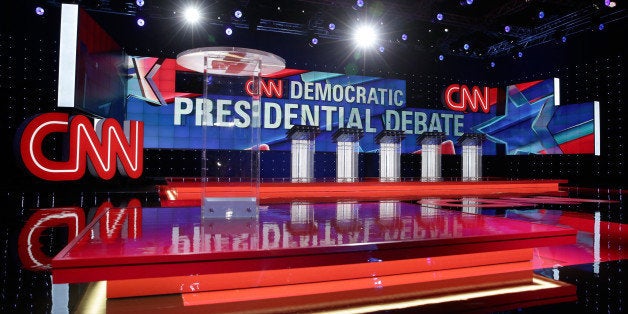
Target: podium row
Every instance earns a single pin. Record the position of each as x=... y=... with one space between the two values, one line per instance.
x=347 y=154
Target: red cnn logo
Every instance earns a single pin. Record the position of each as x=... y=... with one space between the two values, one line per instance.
x=474 y=99
x=100 y=147
x=267 y=87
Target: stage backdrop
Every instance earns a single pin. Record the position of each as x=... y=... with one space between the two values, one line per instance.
x=168 y=98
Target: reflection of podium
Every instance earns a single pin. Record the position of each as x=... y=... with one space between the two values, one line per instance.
x=389 y=155
x=431 y=155
x=471 y=155
x=302 y=219
x=347 y=218
x=302 y=149
x=347 y=140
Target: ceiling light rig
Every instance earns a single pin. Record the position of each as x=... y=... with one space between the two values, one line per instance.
x=191 y=15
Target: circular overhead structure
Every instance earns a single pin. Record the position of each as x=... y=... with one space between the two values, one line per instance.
x=235 y=61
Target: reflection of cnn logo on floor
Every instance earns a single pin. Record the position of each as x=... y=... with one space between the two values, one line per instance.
x=100 y=147
x=119 y=223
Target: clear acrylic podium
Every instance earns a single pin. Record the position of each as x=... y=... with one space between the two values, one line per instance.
x=389 y=155
x=347 y=153
x=302 y=148
x=224 y=68
x=431 y=155
x=471 y=156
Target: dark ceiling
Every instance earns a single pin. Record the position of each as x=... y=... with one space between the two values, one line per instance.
x=480 y=24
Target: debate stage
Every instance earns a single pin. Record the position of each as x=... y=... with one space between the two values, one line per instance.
x=178 y=192
x=318 y=247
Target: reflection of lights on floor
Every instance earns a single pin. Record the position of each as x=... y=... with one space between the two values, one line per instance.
x=95 y=298
x=538 y=283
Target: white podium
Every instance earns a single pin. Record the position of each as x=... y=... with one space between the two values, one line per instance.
x=471 y=156
x=431 y=155
x=389 y=155
x=303 y=145
x=347 y=153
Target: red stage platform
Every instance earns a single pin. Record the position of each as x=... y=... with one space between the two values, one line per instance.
x=188 y=193
x=305 y=253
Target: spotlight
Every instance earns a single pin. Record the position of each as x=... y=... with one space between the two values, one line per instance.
x=331 y=26
x=541 y=14
x=492 y=64
x=469 y=2
x=404 y=37
x=520 y=54
x=600 y=27
x=140 y=22
x=39 y=11
x=563 y=39
x=191 y=15
x=228 y=31
x=237 y=14
x=439 y=16
x=441 y=57
x=314 y=41
x=381 y=49
x=507 y=28
x=365 y=36
x=140 y=3
x=466 y=46
x=358 y=4
x=609 y=3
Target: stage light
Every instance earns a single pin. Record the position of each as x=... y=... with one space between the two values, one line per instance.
x=520 y=54
x=331 y=26
x=381 y=48
x=359 y=3
x=492 y=64
x=541 y=14
x=600 y=26
x=314 y=41
x=237 y=14
x=507 y=28
x=466 y=46
x=140 y=3
x=469 y=2
x=439 y=16
x=39 y=11
x=228 y=31
x=365 y=36
x=563 y=39
x=140 y=22
x=191 y=15
x=609 y=3
x=441 y=57
x=404 y=37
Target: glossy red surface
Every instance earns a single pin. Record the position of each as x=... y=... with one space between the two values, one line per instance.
x=135 y=242
x=188 y=193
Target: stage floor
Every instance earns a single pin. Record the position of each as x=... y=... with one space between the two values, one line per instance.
x=478 y=253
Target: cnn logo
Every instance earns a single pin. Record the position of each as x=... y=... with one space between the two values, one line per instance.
x=102 y=148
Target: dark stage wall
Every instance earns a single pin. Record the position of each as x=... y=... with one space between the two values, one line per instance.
x=590 y=68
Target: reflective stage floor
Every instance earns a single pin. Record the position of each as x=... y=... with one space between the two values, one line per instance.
x=135 y=251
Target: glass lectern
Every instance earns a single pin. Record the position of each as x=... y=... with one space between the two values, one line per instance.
x=231 y=115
